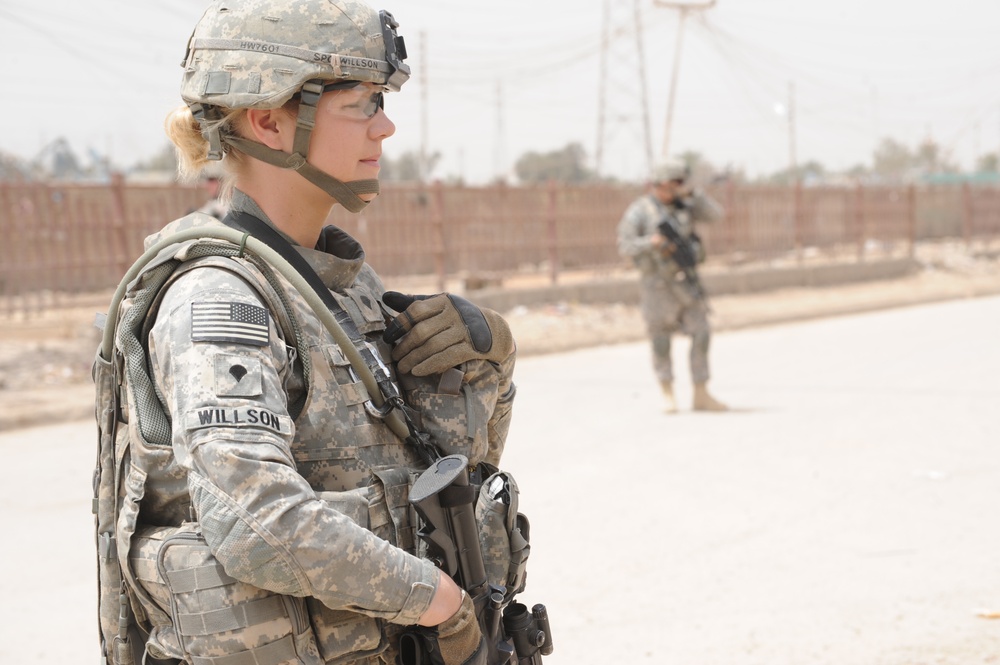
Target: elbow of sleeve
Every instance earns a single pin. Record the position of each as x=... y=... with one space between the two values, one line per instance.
x=245 y=552
x=505 y=370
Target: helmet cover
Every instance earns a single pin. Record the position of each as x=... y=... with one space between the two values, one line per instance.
x=259 y=53
x=670 y=169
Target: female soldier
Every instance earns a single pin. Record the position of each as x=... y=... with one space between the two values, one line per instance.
x=274 y=526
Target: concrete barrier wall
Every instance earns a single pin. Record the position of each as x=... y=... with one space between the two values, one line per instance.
x=717 y=282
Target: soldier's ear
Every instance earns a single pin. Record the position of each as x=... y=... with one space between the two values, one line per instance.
x=275 y=128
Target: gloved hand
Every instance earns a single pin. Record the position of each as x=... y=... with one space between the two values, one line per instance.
x=438 y=332
x=459 y=638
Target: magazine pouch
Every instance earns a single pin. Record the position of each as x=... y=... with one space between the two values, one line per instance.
x=503 y=533
x=219 y=620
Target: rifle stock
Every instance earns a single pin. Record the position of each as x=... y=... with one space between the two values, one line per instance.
x=446 y=503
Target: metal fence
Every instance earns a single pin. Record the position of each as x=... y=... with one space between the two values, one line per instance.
x=62 y=239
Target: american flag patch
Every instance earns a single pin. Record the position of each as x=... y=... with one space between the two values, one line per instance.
x=229 y=322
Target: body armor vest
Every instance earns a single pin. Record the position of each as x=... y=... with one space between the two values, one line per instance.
x=150 y=550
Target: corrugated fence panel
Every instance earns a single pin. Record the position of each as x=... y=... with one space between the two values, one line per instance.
x=66 y=238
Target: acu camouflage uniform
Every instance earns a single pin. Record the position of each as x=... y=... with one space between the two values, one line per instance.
x=669 y=303
x=300 y=519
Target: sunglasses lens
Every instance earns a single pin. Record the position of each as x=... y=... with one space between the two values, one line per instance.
x=358 y=102
x=375 y=102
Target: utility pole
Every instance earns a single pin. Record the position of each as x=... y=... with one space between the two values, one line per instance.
x=975 y=146
x=602 y=85
x=500 y=154
x=642 y=77
x=684 y=9
x=792 y=160
x=423 y=108
x=626 y=60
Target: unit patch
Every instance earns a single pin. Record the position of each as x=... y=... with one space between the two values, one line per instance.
x=238 y=376
x=235 y=322
x=239 y=416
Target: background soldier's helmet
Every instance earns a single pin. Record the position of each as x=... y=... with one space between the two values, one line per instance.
x=670 y=169
x=258 y=53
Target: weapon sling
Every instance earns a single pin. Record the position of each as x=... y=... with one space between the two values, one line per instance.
x=260 y=230
x=524 y=627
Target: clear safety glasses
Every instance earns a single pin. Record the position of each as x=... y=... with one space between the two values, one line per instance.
x=356 y=100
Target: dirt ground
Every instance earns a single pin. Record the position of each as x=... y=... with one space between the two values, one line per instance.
x=45 y=359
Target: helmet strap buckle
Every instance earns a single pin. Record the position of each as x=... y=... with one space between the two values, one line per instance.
x=205 y=115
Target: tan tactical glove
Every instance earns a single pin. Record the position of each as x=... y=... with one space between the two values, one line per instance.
x=438 y=332
x=459 y=638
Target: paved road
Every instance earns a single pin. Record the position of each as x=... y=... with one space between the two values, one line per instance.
x=844 y=514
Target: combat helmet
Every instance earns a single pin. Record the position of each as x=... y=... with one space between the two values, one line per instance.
x=669 y=169
x=260 y=53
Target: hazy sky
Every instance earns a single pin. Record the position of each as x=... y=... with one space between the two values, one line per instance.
x=504 y=78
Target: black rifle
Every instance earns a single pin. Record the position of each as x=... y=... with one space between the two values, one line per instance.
x=683 y=251
x=446 y=502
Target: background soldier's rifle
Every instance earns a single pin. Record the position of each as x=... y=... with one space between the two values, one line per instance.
x=685 y=251
x=446 y=502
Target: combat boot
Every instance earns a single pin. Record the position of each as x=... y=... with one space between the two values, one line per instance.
x=668 y=395
x=703 y=401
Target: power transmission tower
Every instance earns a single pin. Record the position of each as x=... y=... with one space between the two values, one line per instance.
x=684 y=8
x=616 y=107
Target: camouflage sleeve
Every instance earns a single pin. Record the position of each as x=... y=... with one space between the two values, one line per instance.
x=704 y=208
x=635 y=230
x=499 y=422
x=218 y=363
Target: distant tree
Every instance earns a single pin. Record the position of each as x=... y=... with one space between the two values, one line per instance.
x=894 y=161
x=13 y=168
x=164 y=160
x=858 y=171
x=930 y=158
x=809 y=171
x=891 y=159
x=406 y=167
x=57 y=160
x=988 y=163
x=564 y=165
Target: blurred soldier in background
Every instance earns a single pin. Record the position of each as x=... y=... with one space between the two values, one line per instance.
x=657 y=233
x=214 y=206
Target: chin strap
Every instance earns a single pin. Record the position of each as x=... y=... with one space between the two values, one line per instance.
x=346 y=193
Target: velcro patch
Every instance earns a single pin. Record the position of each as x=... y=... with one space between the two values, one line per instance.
x=238 y=416
x=238 y=376
x=236 y=322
